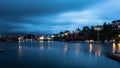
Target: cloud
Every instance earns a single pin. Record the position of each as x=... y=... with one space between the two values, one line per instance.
x=103 y=12
x=79 y=18
x=55 y=15
x=107 y=11
x=41 y=7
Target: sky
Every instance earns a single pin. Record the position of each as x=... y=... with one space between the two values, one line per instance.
x=53 y=16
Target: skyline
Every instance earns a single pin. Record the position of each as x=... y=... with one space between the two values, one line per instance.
x=51 y=16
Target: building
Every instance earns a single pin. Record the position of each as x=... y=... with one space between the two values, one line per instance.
x=77 y=31
x=116 y=25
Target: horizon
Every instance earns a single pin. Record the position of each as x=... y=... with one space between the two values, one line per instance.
x=41 y=33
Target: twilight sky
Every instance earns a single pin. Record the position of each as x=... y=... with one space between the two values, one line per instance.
x=52 y=16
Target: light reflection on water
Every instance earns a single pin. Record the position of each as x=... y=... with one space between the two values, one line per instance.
x=90 y=47
x=113 y=48
x=118 y=48
x=20 y=49
x=68 y=55
x=98 y=50
x=77 y=45
x=49 y=45
x=66 y=48
x=41 y=45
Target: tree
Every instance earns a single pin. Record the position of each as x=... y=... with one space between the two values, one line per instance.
x=104 y=26
x=67 y=31
x=85 y=28
x=29 y=36
x=61 y=33
x=92 y=28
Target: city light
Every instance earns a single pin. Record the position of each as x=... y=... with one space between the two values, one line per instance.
x=113 y=40
x=19 y=39
x=52 y=36
x=66 y=34
x=97 y=28
x=41 y=38
x=119 y=35
x=49 y=39
x=91 y=41
x=118 y=26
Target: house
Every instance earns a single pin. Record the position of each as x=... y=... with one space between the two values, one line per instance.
x=77 y=31
x=116 y=25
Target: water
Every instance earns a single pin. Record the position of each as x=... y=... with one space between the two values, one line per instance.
x=35 y=54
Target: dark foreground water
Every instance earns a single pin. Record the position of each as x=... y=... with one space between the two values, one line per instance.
x=34 y=54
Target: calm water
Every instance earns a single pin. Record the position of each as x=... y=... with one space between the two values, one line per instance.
x=34 y=54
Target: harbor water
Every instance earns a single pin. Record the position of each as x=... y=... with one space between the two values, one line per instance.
x=55 y=54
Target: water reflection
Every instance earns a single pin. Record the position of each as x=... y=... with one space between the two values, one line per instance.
x=40 y=58
x=20 y=48
x=77 y=49
x=49 y=42
x=98 y=50
x=66 y=47
x=41 y=45
x=118 y=48
x=113 y=48
x=90 y=47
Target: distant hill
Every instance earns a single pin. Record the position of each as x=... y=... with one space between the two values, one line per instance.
x=21 y=33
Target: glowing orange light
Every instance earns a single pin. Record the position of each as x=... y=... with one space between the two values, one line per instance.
x=113 y=48
x=90 y=48
x=118 y=47
x=41 y=38
x=66 y=47
x=113 y=40
x=91 y=41
x=66 y=34
x=119 y=35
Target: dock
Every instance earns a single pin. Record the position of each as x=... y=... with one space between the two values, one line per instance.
x=115 y=56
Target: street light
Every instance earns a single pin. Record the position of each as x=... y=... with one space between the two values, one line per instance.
x=119 y=35
x=97 y=28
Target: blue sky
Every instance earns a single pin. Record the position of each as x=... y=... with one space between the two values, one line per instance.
x=53 y=16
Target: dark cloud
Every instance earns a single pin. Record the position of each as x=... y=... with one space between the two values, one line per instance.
x=37 y=15
x=41 y=7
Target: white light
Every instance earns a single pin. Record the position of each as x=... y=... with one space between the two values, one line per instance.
x=19 y=39
x=53 y=36
x=118 y=26
x=49 y=39
x=41 y=38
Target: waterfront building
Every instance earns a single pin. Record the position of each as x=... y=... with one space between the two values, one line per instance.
x=116 y=25
x=77 y=31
